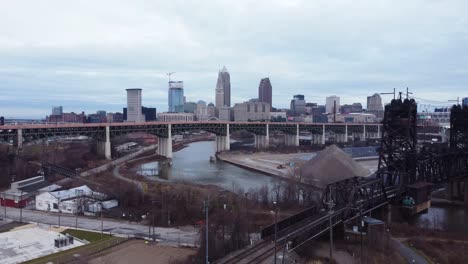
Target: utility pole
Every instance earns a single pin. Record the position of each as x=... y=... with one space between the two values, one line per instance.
x=102 y=222
x=276 y=226
x=408 y=93
x=21 y=208
x=58 y=208
x=4 y=205
x=334 y=111
x=206 y=206
x=360 y=229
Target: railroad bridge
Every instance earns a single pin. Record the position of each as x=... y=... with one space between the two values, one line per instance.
x=103 y=133
x=402 y=163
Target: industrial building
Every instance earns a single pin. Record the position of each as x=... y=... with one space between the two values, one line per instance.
x=71 y=201
x=22 y=193
x=134 y=113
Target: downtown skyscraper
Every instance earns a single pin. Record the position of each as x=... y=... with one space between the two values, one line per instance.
x=223 y=88
x=265 y=91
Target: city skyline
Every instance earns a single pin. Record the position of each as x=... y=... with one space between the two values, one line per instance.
x=83 y=62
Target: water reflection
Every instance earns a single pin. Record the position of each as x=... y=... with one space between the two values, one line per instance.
x=192 y=164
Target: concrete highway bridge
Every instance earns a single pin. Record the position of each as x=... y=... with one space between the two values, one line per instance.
x=404 y=166
x=105 y=132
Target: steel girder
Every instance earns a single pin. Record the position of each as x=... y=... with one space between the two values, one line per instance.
x=314 y=129
x=336 y=129
x=215 y=128
x=160 y=130
x=284 y=127
x=257 y=129
x=8 y=135
x=355 y=192
x=398 y=153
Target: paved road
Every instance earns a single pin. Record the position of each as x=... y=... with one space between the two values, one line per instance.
x=410 y=255
x=173 y=236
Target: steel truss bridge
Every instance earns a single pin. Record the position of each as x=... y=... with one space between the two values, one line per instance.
x=105 y=132
x=402 y=162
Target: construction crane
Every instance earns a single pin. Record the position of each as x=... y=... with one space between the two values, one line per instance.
x=169 y=74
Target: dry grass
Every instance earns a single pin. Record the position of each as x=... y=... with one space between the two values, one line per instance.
x=441 y=251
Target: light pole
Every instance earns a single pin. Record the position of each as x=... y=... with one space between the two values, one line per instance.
x=4 y=204
x=21 y=208
x=58 y=209
x=276 y=225
x=102 y=221
x=206 y=206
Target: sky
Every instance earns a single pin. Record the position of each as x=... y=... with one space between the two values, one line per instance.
x=84 y=54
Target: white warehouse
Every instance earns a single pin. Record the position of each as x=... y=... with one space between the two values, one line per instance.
x=70 y=201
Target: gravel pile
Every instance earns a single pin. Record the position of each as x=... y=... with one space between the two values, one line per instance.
x=331 y=165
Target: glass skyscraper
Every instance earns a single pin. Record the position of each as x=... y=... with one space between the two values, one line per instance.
x=176 y=97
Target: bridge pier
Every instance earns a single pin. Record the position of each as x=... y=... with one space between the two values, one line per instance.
x=223 y=143
x=316 y=139
x=363 y=138
x=103 y=148
x=291 y=139
x=165 y=144
x=20 y=139
x=263 y=141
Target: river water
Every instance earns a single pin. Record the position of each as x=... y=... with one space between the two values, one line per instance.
x=192 y=164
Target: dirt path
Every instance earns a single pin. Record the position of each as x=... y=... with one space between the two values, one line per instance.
x=142 y=253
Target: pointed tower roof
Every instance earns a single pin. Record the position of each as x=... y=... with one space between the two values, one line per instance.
x=224 y=69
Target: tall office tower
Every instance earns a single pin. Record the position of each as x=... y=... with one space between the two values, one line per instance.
x=465 y=101
x=330 y=104
x=298 y=105
x=134 y=105
x=223 y=88
x=264 y=91
x=374 y=103
x=57 y=110
x=176 y=97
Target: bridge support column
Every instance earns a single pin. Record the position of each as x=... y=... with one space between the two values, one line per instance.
x=223 y=143
x=363 y=138
x=378 y=131
x=107 y=145
x=323 y=134
x=20 y=138
x=263 y=141
x=346 y=134
x=316 y=139
x=291 y=140
x=165 y=144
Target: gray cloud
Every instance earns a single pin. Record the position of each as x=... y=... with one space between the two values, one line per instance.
x=83 y=54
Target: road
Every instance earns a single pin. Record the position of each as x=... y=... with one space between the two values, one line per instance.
x=170 y=236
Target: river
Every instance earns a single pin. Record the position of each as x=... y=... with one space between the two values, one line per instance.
x=192 y=164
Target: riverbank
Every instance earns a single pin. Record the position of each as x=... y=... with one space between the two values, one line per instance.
x=280 y=165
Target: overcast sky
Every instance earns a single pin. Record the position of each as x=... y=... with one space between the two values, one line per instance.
x=84 y=54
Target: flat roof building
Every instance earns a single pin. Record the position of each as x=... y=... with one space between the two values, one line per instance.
x=134 y=105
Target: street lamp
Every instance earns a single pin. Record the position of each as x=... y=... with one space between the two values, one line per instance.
x=206 y=207
x=276 y=225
